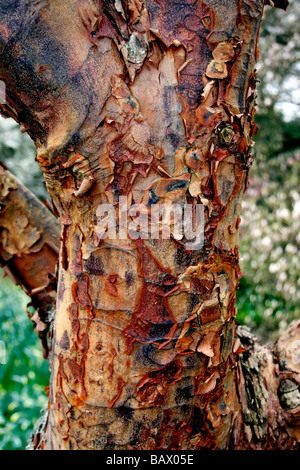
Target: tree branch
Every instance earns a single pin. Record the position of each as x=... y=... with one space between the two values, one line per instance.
x=29 y=246
x=269 y=389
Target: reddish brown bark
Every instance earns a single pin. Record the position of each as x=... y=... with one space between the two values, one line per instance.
x=153 y=101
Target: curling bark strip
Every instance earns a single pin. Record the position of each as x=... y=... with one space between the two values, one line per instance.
x=153 y=101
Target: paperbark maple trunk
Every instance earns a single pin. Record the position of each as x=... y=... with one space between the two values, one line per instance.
x=152 y=101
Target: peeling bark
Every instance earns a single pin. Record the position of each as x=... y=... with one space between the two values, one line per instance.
x=152 y=101
x=29 y=245
x=278 y=3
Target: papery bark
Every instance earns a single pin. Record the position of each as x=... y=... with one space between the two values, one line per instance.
x=152 y=101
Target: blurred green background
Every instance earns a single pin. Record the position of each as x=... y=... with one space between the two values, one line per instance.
x=269 y=293
x=24 y=376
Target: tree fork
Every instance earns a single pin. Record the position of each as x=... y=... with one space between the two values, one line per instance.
x=152 y=101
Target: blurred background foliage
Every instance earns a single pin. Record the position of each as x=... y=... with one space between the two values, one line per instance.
x=24 y=376
x=269 y=293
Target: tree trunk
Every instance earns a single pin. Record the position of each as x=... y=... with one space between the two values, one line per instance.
x=152 y=102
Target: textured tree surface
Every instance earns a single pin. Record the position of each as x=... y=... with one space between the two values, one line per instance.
x=153 y=101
